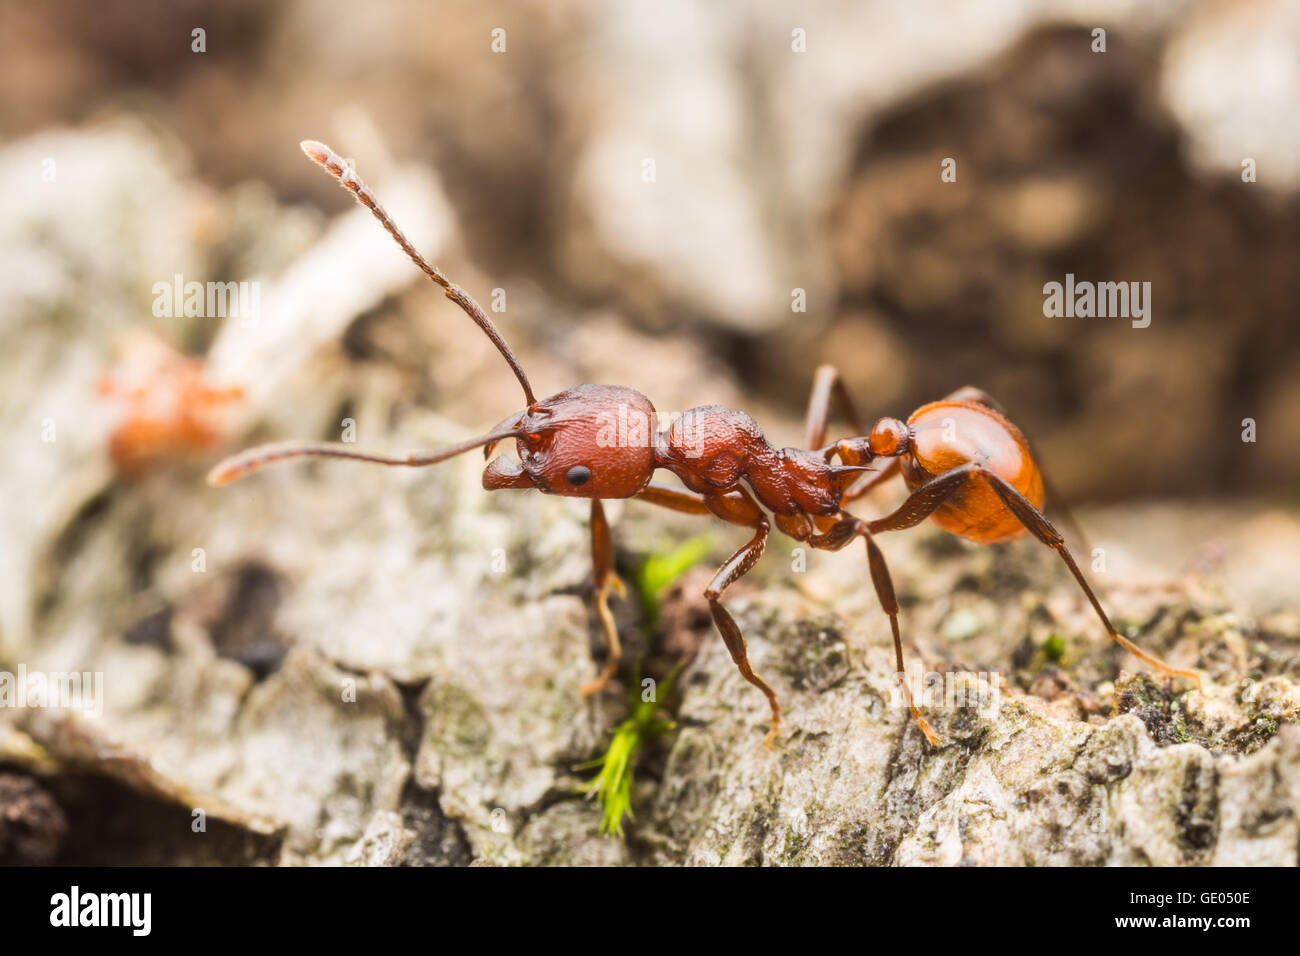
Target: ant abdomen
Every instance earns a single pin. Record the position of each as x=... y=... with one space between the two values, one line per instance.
x=947 y=435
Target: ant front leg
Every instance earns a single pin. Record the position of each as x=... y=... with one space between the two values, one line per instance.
x=602 y=579
x=922 y=502
x=674 y=499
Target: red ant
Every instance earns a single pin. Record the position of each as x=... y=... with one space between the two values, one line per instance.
x=965 y=465
x=172 y=409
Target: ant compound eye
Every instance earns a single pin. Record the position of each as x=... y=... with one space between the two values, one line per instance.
x=579 y=475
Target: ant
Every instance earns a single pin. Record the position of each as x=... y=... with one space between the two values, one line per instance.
x=171 y=407
x=966 y=466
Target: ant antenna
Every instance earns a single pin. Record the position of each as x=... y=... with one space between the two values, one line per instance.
x=342 y=170
x=237 y=466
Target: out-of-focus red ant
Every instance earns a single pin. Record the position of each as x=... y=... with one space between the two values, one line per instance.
x=171 y=408
x=966 y=466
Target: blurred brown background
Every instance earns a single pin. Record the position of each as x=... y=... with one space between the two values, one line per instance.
x=775 y=169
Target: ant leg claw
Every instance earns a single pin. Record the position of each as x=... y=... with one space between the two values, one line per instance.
x=931 y=737
x=1156 y=662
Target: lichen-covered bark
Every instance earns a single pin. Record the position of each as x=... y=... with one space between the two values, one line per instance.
x=333 y=664
x=427 y=709
x=854 y=783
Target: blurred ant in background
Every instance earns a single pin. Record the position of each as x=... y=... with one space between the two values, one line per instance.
x=170 y=409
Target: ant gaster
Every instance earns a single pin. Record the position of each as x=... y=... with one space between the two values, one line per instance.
x=965 y=465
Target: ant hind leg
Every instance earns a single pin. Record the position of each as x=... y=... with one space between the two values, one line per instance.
x=828 y=385
x=969 y=393
x=922 y=502
x=1042 y=529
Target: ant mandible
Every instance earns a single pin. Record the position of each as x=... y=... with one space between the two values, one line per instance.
x=965 y=465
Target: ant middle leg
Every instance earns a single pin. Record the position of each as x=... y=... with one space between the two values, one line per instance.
x=739 y=508
x=835 y=537
x=603 y=579
x=884 y=586
x=735 y=566
x=922 y=502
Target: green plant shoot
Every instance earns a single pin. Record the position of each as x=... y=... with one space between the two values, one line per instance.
x=612 y=786
x=660 y=570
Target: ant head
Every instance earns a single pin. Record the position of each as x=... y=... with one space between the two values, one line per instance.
x=889 y=437
x=593 y=441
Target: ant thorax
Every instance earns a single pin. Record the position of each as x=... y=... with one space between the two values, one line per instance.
x=713 y=449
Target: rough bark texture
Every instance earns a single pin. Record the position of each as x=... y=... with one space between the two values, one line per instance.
x=335 y=664
x=394 y=699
